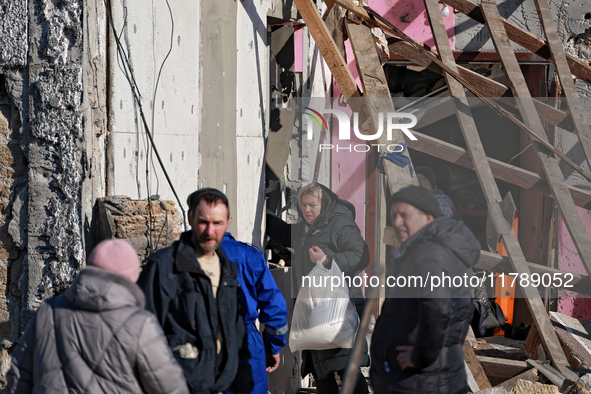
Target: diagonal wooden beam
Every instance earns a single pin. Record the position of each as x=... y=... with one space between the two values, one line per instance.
x=565 y=76
x=515 y=175
x=568 y=281
x=550 y=166
x=397 y=177
x=489 y=186
x=488 y=86
x=328 y=48
x=522 y=37
x=474 y=89
x=376 y=99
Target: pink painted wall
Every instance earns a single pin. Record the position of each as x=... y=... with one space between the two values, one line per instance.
x=569 y=303
x=348 y=168
x=298 y=49
x=410 y=17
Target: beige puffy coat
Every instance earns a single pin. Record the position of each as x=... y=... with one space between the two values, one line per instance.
x=96 y=338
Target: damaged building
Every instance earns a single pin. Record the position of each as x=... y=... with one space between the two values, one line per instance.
x=111 y=113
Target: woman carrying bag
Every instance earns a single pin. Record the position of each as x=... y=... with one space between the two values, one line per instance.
x=327 y=233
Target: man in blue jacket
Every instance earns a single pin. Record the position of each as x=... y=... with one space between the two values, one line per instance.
x=261 y=299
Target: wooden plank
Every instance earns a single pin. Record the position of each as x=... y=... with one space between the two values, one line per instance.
x=555 y=180
x=564 y=75
x=371 y=73
x=335 y=25
x=470 y=337
x=486 y=179
x=530 y=375
x=552 y=171
x=328 y=48
x=488 y=86
x=503 y=171
x=475 y=367
x=493 y=262
x=472 y=385
x=474 y=89
x=502 y=368
x=376 y=98
x=374 y=84
x=522 y=37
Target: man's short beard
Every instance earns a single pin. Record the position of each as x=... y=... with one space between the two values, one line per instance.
x=208 y=248
x=199 y=245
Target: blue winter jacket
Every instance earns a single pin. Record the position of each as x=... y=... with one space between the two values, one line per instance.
x=261 y=299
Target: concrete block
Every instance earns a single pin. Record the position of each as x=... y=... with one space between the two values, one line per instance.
x=527 y=387
x=158 y=223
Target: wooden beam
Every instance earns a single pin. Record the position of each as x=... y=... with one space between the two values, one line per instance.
x=328 y=48
x=564 y=75
x=376 y=98
x=503 y=171
x=481 y=57
x=530 y=375
x=474 y=89
x=550 y=165
x=475 y=367
x=502 y=368
x=335 y=25
x=555 y=180
x=485 y=176
x=522 y=37
x=496 y=263
x=488 y=86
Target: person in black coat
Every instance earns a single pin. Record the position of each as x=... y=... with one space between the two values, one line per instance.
x=326 y=233
x=417 y=342
x=193 y=290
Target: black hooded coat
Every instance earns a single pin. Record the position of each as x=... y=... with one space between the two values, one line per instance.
x=336 y=233
x=433 y=320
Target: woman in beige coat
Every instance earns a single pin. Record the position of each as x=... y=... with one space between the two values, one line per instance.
x=97 y=337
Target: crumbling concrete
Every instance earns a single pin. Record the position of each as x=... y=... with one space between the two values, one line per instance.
x=41 y=135
x=13 y=33
x=12 y=189
x=55 y=252
x=148 y=227
x=527 y=387
x=583 y=386
x=572 y=18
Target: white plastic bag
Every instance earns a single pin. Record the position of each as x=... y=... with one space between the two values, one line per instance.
x=323 y=317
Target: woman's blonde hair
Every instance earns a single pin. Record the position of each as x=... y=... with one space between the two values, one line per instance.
x=313 y=189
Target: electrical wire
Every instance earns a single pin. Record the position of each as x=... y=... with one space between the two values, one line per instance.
x=129 y=75
x=153 y=117
x=160 y=71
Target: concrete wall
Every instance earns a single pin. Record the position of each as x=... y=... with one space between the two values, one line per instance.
x=174 y=119
x=251 y=117
x=211 y=107
x=571 y=17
